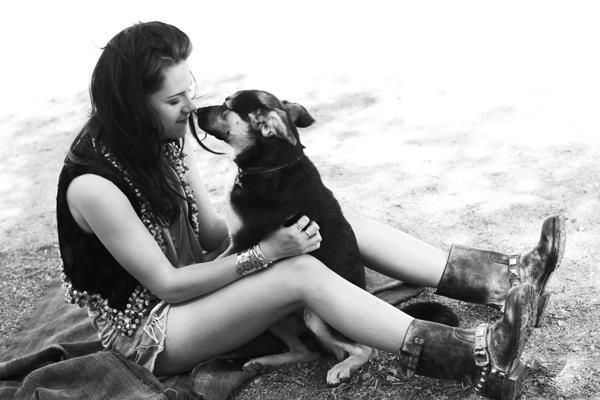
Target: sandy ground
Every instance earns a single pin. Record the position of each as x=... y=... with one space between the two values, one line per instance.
x=462 y=149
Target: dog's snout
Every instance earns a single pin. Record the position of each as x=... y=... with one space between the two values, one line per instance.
x=202 y=116
x=210 y=120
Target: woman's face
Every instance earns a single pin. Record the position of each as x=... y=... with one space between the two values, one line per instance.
x=173 y=101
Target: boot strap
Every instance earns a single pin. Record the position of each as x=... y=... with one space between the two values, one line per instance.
x=513 y=271
x=482 y=356
x=413 y=350
x=512 y=261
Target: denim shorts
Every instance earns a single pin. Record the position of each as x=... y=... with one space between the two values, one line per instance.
x=146 y=343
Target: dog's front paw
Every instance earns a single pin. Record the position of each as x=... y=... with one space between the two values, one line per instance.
x=254 y=366
x=338 y=374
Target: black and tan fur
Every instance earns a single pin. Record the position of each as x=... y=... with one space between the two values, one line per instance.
x=277 y=183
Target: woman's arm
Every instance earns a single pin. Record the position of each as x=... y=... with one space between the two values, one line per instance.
x=213 y=229
x=101 y=208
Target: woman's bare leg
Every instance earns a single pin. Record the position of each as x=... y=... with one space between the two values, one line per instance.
x=395 y=253
x=223 y=320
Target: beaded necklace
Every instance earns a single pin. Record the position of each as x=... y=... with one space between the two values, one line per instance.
x=138 y=303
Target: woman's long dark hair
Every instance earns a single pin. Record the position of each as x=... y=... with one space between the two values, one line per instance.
x=130 y=68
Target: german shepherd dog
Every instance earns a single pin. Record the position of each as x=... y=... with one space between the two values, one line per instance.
x=275 y=184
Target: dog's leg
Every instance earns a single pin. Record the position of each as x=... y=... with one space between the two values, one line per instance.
x=288 y=329
x=358 y=354
x=324 y=334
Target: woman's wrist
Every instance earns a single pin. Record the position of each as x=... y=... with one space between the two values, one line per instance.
x=268 y=251
x=251 y=261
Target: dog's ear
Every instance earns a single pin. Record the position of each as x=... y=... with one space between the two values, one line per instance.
x=273 y=123
x=298 y=113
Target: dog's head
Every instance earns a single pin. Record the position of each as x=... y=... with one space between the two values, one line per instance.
x=254 y=119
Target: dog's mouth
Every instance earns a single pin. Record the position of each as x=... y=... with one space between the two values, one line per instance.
x=205 y=131
x=219 y=135
x=208 y=119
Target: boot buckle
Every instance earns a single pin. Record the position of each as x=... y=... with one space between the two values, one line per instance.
x=513 y=271
x=482 y=357
x=412 y=352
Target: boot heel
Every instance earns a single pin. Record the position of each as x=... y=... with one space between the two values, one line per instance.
x=512 y=386
x=541 y=308
x=506 y=387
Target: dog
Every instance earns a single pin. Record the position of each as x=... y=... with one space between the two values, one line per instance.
x=276 y=183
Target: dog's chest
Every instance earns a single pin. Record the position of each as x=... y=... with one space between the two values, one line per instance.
x=243 y=206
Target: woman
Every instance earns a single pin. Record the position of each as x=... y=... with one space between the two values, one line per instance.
x=138 y=238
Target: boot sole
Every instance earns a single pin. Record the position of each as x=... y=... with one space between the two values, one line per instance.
x=526 y=321
x=508 y=386
x=557 y=253
x=512 y=386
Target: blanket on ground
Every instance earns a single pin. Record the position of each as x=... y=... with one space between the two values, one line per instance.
x=57 y=355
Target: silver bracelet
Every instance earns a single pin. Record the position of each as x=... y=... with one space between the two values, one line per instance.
x=251 y=260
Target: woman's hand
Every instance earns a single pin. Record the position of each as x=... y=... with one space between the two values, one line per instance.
x=300 y=238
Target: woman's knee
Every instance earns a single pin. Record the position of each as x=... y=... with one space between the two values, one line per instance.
x=303 y=266
x=302 y=271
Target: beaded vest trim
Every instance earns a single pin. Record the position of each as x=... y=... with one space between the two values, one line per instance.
x=138 y=303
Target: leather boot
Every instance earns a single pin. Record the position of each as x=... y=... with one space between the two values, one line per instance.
x=484 y=277
x=487 y=356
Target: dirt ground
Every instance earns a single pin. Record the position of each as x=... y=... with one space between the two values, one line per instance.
x=482 y=175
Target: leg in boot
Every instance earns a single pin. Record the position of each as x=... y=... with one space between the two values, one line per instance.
x=484 y=277
x=488 y=356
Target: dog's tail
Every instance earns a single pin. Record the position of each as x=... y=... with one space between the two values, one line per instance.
x=432 y=311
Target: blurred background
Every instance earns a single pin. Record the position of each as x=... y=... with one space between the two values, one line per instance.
x=542 y=53
x=446 y=109
x=470 y=103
